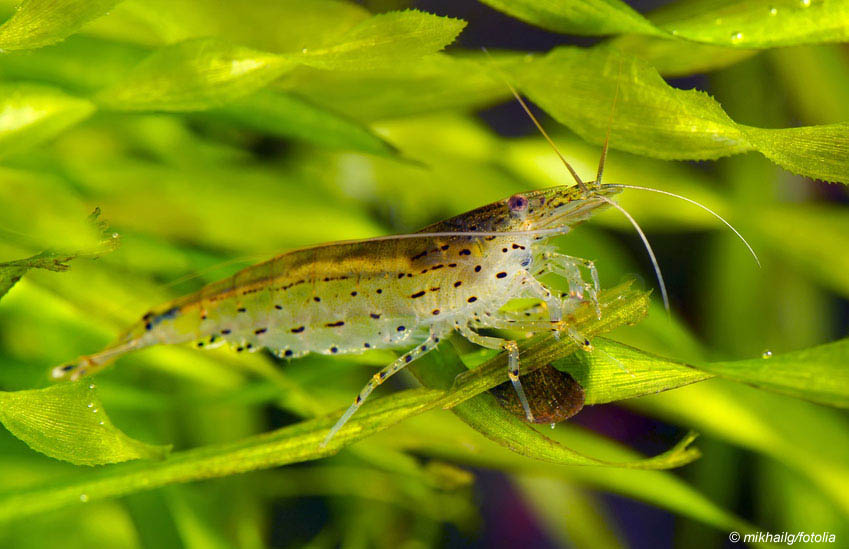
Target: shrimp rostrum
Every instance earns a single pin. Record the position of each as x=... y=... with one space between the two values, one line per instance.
x=403 y=292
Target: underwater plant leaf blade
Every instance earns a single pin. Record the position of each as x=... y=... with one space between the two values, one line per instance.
x=269 y=25
x=578 y=87
x=615 y=371
x=32 y=113
x=38 y=23
x=590 y=17
x=68 y=422
x=386 y=39
x=756 y=24
x=820 y=151
x=819 y=374
x=193 y=75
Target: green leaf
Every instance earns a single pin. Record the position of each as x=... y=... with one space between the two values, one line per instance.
x=12 y=271
x=756 y=23
x=615 y=371
x=619 y=372
x=289 y=116
x=753 y=24
x=68 y=422
x=587 y=17
x=256 y=24
x=819 y=374
x=578 y=86
x=38 y=23
x=203 y=73
x=30 y=114
x=386 y=39
x=194 y=75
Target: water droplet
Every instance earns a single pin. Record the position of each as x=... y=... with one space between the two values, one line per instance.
x=766 y=354
x=718 y=20
x=805 y=3
x=674 y=32
x=91 y=386
x=101 y=423
x=83 y=498
x=773 y=11
x=304 y=50
x=91 y=404
x=94 y=411
x=736 y=36
x=553 y=425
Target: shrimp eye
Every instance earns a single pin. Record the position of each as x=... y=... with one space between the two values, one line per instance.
x=517 y=203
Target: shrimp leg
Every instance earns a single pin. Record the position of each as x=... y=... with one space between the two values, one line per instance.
x=381 y=376
x=512 y=349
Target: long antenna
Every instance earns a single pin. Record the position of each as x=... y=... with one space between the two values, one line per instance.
x=578 y=180
x=645 y=240
x=702 y=206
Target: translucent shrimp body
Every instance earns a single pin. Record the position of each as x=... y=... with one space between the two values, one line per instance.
x=403 y=292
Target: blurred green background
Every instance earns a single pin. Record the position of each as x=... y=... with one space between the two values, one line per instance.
x=212 y=135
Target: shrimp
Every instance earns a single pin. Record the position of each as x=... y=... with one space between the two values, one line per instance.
x=405 y=292
x=396 y=292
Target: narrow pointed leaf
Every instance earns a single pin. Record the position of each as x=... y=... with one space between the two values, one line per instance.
x=578 y=86
x=68 y=422
x=755 y=24
x=819 y=374
x=587 y=17
x=39 y=23
x=194 y=75
x=614 y=371
x=386 y=39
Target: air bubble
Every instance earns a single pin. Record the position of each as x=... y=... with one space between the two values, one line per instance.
x=805 y=3
x=766 y=354
x=553 y=425
x=674 y=32
x=94 y=411
x=718 y=20
x=736 y=37
x=91 y=404
x=91 y=386
x=84 y=498
x=773 y=11
x=304 y=50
